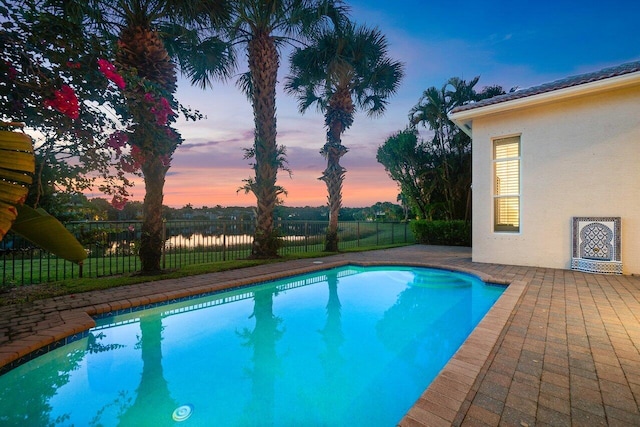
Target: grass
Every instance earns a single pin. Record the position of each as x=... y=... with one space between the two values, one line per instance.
x=28 y=293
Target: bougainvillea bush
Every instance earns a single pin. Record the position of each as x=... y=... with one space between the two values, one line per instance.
x=55 y=76
x=97 y=81
x=51 y=80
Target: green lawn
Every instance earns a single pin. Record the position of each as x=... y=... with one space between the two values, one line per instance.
x=22 y=294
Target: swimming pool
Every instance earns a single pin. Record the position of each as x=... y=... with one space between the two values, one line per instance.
x=352 y=345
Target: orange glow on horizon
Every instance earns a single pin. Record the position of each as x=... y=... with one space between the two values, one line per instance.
x=362 y=188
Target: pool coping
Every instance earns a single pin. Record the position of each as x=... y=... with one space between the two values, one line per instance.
x=441 y=404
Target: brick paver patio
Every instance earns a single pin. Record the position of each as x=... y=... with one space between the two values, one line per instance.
x=559 y=348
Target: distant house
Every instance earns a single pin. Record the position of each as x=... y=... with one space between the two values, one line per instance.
x=556 y=173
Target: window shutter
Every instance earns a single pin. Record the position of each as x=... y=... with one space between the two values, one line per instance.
x=506 y=155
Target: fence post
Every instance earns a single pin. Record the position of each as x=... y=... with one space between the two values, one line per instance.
x=377 y=233
x=358 y=232
x=224 y=241
x=392 y=227
x=306 y=237
x=164 y=243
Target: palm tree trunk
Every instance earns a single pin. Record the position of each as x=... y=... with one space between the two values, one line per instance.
x=153 y=390
x=263 y=66
x=152 y=240
x=333 y=176
x=142 y=52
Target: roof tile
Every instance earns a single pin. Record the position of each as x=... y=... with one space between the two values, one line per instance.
x=630 y=67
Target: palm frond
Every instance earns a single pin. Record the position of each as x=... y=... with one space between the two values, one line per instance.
x=245 y=84
x=203 y=61
x=346 y=56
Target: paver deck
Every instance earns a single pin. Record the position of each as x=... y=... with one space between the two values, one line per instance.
x=559 y=347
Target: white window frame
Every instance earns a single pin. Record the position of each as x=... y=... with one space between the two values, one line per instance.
x=497 y=227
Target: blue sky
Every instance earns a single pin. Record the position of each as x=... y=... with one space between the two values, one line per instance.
x=508 y=43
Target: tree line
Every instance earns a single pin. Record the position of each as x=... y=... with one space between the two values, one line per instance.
x=434 y=175
x=100 y=209
x=97 y=81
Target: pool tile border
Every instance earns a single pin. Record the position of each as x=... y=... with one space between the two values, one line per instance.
x=443 y=401
x=42 y=350
x=81 y=321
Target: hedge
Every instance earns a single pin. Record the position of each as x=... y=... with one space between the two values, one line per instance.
x=445 y=233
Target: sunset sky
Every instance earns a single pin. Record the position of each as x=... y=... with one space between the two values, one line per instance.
x=508 y=43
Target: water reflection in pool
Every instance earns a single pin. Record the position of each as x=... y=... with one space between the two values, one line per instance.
x=350 y=346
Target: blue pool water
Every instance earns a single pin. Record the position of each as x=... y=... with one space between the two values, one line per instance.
x=347 y=346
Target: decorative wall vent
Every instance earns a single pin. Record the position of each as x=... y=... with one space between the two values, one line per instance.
x=596 y=245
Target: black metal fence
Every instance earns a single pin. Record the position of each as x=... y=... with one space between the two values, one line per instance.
x=113 y=246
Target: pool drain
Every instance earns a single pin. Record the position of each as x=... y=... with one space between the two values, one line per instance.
x=182 y=413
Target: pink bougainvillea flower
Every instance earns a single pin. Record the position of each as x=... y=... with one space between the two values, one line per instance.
x=117 y=140
x=165 y=159
x=134 y=162
x=137 y=155
x=165 y=104
x=65 y=101
x=109 y=71
x=170 y=133
x=12 y=73
x=161 y=118
x=128 y=166
x=105 y=66
x=161 y=108
x=119 y=202
x=166 y=109
x=118 y=80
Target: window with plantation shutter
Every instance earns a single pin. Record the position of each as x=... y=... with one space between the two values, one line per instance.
x=506 y=191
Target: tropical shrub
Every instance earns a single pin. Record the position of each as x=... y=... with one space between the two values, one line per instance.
x=445 y=233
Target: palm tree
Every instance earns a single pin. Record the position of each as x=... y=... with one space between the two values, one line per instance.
x=156 y=38
x=263 y=26
x=344 y=69
x=451 y=146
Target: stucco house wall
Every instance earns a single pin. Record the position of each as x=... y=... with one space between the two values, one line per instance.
x=580 y=156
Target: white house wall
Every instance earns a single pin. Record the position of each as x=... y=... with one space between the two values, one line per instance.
x=579 y=157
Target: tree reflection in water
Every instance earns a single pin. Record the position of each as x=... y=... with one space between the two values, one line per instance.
x=446 y=306
x=350 y=350
x=332 y=334
x=30 y=394
x=153 y=405
x=266 y=364
x=31 y=404
x=331 y=358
